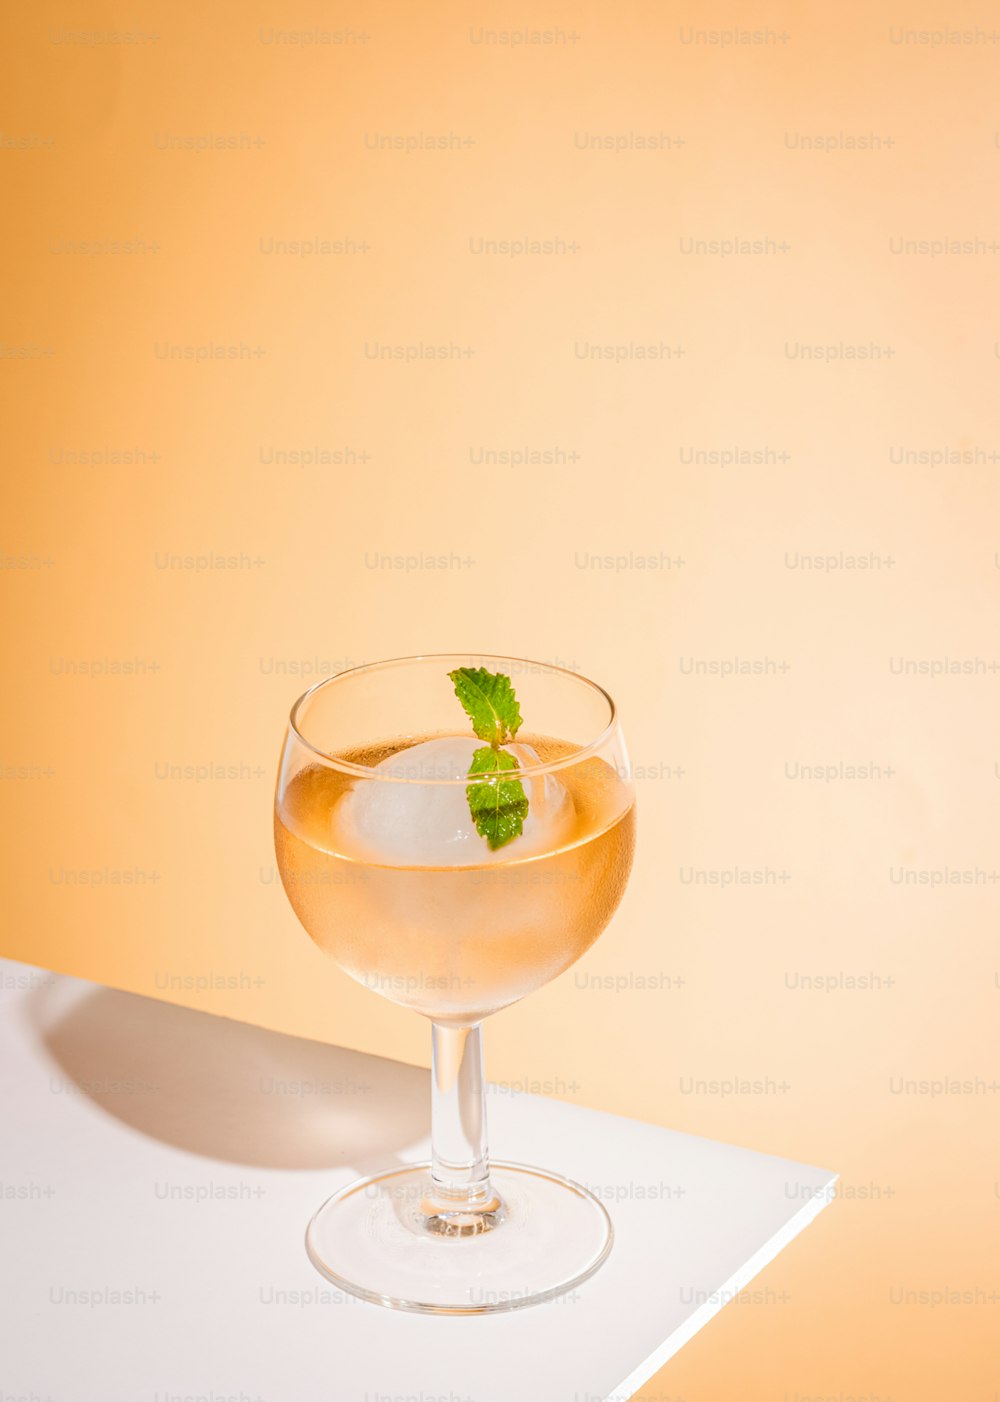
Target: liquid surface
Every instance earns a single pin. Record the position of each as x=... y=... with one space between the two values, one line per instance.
x=456 y=942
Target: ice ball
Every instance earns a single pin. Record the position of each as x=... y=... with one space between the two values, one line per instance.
x=428 y=824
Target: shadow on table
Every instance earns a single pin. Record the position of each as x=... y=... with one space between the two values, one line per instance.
x=228 y=1090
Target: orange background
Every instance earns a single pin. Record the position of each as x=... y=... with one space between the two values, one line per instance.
x=893 y=457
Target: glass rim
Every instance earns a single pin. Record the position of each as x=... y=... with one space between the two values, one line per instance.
x=364 y=771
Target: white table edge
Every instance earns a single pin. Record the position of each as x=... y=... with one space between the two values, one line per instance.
x=738 y=1281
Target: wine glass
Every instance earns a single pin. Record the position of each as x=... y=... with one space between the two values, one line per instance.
x=456 y=893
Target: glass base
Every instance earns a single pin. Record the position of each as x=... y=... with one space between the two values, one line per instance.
x=385 y=1239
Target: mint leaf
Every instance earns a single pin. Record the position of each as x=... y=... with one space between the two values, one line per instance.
x=498 y=806
x=489 y=702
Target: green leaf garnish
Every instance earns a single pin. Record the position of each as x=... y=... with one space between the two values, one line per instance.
x=489 y=702
x=498 y=806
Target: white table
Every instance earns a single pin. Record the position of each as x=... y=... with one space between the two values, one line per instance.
x=159 y=1166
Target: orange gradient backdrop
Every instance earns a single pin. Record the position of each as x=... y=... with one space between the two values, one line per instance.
x=720 y=431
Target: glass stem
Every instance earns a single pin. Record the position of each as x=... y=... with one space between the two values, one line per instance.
x=463 y=1196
